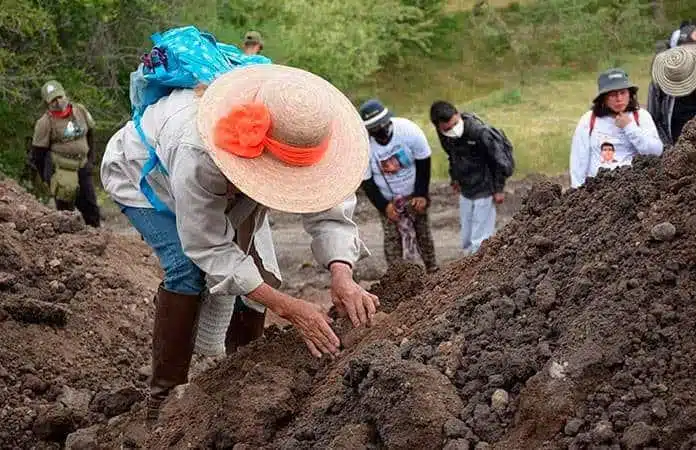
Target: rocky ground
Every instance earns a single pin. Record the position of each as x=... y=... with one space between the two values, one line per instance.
x=573 y=328
x=76 y=308
x=75 y=320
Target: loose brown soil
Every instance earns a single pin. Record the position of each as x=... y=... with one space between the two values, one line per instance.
x=75 y=316
x=575 y=327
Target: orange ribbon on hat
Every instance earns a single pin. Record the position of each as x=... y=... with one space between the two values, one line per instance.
x=244 y=133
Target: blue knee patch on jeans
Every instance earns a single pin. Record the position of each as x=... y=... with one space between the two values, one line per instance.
x=184 y=277
x=159 y=231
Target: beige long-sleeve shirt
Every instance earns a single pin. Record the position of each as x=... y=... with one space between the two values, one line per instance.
x=207 y=221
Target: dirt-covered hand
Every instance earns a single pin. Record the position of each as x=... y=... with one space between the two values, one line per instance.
x=350 y=298
x=314 y=327
x=419 y=204
x=391 y=213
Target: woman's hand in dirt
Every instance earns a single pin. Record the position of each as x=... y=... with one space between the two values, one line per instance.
x=308 y=318
x=313 y=325
x=350 y=298
x=391 y=212
x=499 y=198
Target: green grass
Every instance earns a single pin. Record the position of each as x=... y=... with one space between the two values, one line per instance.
x=538 y=117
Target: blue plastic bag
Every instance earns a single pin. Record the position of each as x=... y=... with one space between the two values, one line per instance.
x=180 y=58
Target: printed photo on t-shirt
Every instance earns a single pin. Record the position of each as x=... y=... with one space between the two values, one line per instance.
x=396 y=161
x=607 y=153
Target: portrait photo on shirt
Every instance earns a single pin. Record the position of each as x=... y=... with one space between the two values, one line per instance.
x=607 y=153
x=396 y=160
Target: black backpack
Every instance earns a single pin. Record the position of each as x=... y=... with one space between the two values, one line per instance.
x=504 y=157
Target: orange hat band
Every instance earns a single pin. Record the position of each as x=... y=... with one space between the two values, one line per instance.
x=244 y=133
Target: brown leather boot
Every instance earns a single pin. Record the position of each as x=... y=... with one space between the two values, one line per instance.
x=246 y=325
x=172 y=345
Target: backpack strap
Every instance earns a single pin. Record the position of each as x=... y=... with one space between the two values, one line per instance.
x=636 y=117
x=152 y=162
x=593 y=119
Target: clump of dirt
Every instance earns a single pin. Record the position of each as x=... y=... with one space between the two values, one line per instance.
x=75 y=322
x=402 y=280
x=575 y=328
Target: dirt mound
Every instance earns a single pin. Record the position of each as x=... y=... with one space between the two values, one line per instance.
x=574 y=328
x=402 y=280
x=74 y=321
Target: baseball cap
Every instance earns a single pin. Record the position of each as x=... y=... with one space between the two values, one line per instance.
x=374 y=114
x=253 y=37
x=51 y=90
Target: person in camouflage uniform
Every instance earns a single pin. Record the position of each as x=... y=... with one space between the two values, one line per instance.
x=63 y=152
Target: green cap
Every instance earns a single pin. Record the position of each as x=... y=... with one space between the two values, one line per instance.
x=613 y=80
x=253 y=37
x=51 y=91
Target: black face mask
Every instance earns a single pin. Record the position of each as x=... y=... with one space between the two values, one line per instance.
x=383 y=134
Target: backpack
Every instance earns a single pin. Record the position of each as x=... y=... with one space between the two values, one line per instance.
x=593 y=119
x=504 y=157
x=180 y=58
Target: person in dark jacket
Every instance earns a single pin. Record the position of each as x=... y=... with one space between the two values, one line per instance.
x=671 y=108
x=397 y=182
x=478 y=170
x=63 y=153
x=674 y=37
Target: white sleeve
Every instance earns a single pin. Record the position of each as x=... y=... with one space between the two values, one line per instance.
x=335 y=235
x=206 y=234
x=644 y=137
x=418 y=142
x=580 y=153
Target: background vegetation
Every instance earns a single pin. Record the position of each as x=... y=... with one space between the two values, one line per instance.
x=529 y=66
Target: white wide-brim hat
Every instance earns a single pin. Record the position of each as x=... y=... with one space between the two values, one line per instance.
x=300 y=103
x=674 y=70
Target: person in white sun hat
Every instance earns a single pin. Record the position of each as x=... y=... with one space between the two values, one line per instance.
x=672 y=95
x=258 y=137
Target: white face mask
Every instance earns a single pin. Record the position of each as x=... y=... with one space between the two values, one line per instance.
x=456 y=131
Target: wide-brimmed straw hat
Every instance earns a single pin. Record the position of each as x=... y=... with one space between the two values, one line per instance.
x=674 y=70
x=285 y=137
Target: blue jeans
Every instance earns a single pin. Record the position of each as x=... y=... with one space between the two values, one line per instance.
x=158 y=229
x=477 y=221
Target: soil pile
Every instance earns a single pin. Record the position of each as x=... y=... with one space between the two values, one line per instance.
x=74 y=322
x=574 y=328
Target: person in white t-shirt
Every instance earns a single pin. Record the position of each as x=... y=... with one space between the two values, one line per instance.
x=397 y=183
x=615 y=119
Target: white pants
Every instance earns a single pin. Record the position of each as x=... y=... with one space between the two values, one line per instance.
x=477 y=219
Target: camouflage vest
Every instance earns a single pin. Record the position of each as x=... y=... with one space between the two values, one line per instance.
x=69 y=149
x=69 y=146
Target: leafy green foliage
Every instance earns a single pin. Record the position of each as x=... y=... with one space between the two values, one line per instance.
x=91 y=46
x=556 y=33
